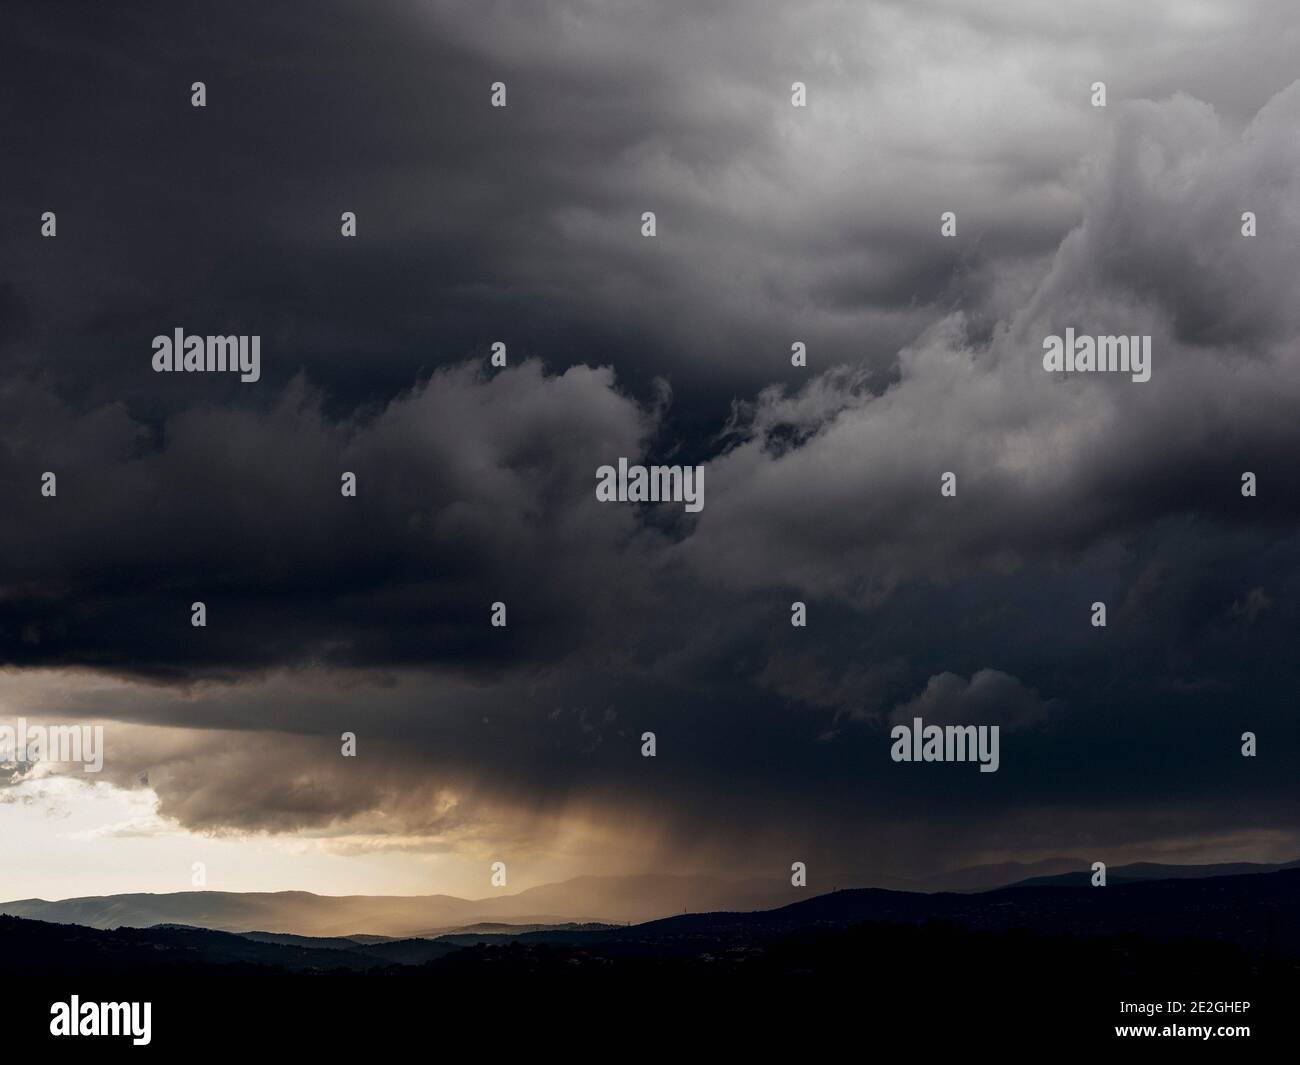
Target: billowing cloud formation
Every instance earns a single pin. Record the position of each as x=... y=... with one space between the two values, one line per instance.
x=987 y=698
x=469 y=491
x=835 y=489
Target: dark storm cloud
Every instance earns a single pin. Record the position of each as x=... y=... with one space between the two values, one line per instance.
x=520 y=224
x=371 y=614
x=470 y=491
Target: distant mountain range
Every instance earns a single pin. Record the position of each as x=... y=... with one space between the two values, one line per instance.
x=1140 y=871
x=618 y=900
x=1257 y=912
x=370 y=919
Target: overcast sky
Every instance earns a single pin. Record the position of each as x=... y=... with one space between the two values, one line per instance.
x=522 y=224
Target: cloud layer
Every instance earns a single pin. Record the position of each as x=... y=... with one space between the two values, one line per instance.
x=476 y=485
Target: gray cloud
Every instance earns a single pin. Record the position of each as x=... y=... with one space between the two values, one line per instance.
x=1046 y=466
x=989 y=697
